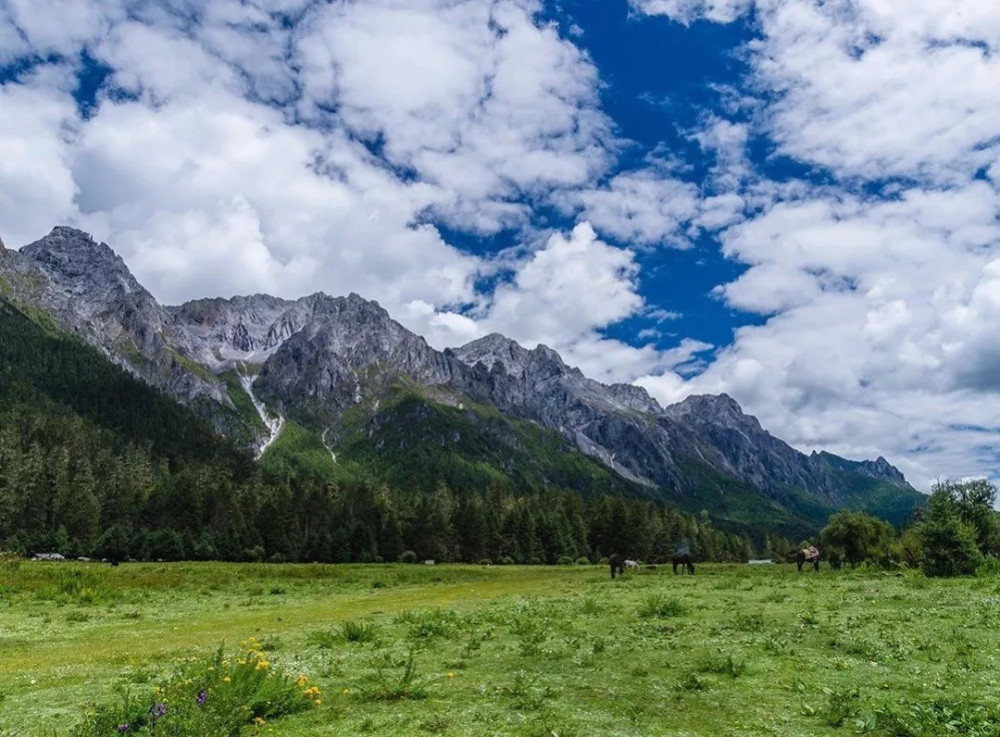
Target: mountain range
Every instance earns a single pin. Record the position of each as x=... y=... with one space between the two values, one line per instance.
x=325 y=386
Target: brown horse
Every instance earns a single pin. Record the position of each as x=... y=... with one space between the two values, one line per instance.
x=808 y=555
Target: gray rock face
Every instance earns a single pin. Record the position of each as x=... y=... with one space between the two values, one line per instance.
x=318 y=356
x=88 y=290
x=219 y=332
x=350 y=349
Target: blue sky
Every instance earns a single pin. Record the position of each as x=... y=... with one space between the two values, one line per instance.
x=792 y=201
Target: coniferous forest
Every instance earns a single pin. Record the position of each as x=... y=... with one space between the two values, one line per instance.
x=96 y=463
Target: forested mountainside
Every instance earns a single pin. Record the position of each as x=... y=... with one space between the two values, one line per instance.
x=95 y=462
x=329 y=390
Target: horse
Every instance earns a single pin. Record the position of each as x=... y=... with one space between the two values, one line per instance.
x=617 y=563
x=683 y=559
x=632 y=565
x=808 y=555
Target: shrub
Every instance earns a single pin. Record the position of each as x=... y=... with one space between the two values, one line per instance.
x=949 y=543
x=206 y=696
x=660 y=605
x=583 y=561
x=565 y=560
x=989 y=567
x=407 y=556
x=725 y=664
x=506 y=561
x=359 y=632
x=382 y=686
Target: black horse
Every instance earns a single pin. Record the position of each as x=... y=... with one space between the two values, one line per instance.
x=683 y=559
x=807 y=555
x=617 y=563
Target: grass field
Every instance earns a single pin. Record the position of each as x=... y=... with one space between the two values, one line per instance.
x=467 y=650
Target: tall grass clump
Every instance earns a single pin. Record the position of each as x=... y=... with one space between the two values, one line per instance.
x=386 y=685
x=661 y=605
x=205 y=697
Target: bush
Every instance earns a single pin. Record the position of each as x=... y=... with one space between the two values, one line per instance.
x=506 y=561
x=949 y=544
x=989 y=568
x=382 y=686
x=407 y=556
x=359 y=632
x=565 y=560
x=209 y=696
x=583 y=561
x=659 y=605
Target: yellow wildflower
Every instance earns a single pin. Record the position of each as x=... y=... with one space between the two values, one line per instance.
x=450 y=674
x=259 y=721
x=262 y=665
x=345 y=692
x=301 y=682
x=318 y=702
x=227 y=679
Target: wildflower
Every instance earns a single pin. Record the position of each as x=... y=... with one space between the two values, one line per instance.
x=345 y=692
x=159 y=709
x=301 y=682
x=450 y=674
x=226 y=679
x=202 y=695
x=318 y=702
x=123 y=728
x=262 y=665
x=259 y=721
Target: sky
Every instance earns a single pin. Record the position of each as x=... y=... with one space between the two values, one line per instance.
x=791 y=201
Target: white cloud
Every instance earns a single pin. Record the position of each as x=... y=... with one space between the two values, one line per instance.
x=565 y=291
x=879 y=308
x=643 y=207
x=230 y=153
x=37 y=128
x=686 y=11
x=476 y=98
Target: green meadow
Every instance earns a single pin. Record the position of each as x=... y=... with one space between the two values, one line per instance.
x=499 y=650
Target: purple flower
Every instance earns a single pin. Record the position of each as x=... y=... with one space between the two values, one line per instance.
x=159 y=709
x=202 y=695
x=123 y=728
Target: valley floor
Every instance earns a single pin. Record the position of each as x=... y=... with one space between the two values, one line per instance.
x=734 y=650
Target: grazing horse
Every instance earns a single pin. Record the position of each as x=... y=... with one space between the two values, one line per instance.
x=683 y=559
x=632 y=565
x=617 y=564
x=808 y=555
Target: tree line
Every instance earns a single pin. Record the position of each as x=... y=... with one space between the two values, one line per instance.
x=64 y=487
x=954 y=534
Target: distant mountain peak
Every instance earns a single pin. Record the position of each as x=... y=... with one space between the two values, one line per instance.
x=70 y=254
x=494 y=349
x=710 y=406
x=317 y=357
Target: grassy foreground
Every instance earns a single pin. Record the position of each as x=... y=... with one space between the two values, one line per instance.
x=467 y=650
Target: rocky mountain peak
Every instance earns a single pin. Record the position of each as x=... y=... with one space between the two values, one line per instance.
x=635 y=397
x=494 y=349
x=72 y=254
x=719 y=408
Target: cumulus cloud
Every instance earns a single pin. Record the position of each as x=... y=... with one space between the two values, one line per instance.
x=687 y=11
x=879 y=287
x=239 y=146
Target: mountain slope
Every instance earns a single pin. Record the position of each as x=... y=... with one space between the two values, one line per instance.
x=333 y=367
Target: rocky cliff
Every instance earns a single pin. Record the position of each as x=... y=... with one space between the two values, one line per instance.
x=327 y=363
